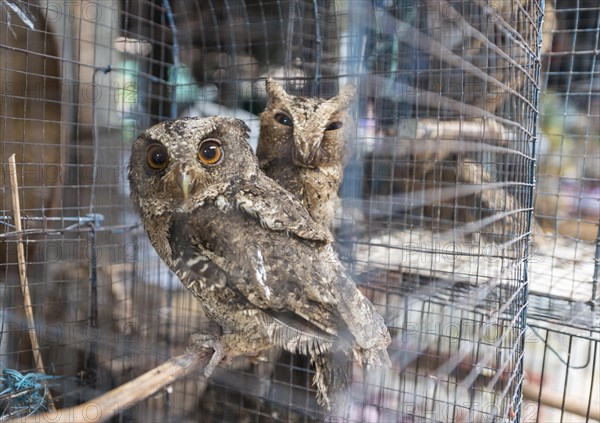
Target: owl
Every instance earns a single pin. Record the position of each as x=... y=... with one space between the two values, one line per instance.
x=263 y=270
x=302 y=146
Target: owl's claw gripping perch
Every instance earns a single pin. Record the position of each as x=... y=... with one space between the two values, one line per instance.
x=208 y=340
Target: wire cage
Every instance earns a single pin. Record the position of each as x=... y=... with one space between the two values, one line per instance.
x=562 y=355
x=468 y=114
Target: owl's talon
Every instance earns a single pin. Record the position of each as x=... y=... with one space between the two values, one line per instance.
x=216 y=358
x=205 y=341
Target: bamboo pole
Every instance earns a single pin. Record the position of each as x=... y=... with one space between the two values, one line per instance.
x=35 y=346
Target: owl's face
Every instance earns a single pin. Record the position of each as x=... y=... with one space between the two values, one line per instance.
x=308 y=131
x=175 y=160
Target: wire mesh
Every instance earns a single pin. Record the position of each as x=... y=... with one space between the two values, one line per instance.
x=562 y=355
x=437 y=217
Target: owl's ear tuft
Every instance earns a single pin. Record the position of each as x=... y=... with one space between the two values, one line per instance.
x=245 y=128
x=275 y=90
x=345 y=96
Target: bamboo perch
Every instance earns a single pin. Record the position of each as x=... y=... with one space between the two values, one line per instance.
x=108 y=405
x=35 y=346
x=568 y=403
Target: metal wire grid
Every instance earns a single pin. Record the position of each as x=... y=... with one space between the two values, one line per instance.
x=569 y=169
x=457 y=320
x=562 y=350
x=58 y=117
x=450 y=258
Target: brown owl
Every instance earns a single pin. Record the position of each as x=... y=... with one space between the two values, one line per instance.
x=248 y=250
x=302 y=146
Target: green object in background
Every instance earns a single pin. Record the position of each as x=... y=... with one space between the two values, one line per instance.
x=184 y=84
x=126 y=88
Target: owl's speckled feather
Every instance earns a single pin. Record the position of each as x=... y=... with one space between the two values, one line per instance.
x=247 y=249
x=306 y=153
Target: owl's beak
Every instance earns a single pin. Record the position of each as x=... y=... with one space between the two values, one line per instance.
x=304 y=153
x=184 y=180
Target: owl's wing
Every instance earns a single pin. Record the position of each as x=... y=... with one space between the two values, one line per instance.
x=278 y=210
x=296 y=281
x=280 y=274
x=285 y=173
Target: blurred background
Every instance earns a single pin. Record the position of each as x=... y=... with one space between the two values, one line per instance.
x=470 y=217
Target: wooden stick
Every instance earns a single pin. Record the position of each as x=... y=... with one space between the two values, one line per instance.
x=113 y=402
x=35 y=346
x=571 y=404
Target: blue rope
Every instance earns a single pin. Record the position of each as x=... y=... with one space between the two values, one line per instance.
x=27 y=392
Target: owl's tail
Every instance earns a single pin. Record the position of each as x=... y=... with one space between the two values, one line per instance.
x=366 y=326
x=332 y=374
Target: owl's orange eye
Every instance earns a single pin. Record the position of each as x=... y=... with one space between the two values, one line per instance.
x=334 y=125
x=210 y=152
x=157 y=157
x=284 y=119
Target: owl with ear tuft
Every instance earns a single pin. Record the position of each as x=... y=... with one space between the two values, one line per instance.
x=247 y=249
x=302 y=146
